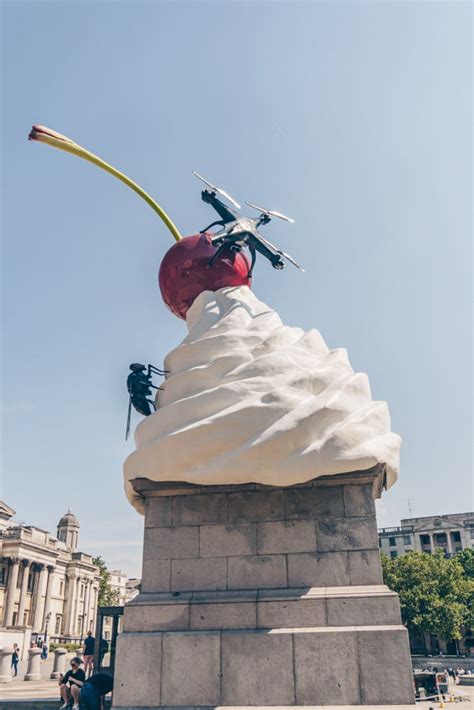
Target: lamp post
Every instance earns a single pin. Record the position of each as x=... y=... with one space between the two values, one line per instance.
x=46 y=626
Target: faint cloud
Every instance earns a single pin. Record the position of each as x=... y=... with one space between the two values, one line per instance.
x=19 y=406
x=108 y=544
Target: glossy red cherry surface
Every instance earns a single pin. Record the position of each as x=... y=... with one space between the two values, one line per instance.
x=184 y=272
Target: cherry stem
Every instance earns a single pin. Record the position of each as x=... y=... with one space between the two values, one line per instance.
x=69 y=146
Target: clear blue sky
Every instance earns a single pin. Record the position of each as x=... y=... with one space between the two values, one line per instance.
x=353 y=117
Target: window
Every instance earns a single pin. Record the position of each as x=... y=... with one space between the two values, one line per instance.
x=82 y=591
x=393 y=554
x=57 y=625
x=407 y=539
x=31 y=579
x=425 y=539
x=15 y=617
x=3 y=571
x=456 y=536
x=472 y=533
x=25 y=618
x=61 y=587
x=392 y=541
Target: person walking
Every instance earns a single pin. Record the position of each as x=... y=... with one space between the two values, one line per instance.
x=15 y=659
x=70 y=684
x=88 y=653
x=94 y=690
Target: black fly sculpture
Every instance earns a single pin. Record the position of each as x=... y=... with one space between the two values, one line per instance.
x=139 y=386
x=239 y=231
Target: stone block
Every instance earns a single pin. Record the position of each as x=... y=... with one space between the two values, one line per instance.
x=257 y=669
x=363 y=610
x=228 y=540
x=318 y=502
x=255 y=506
x=156 y=576
x=259 y=571
x=359 y=500
x=291 y=613
x=286 y=536
x=327 y=569
x=171 y=543
x=191 y=669
x=202 y=509
x=365 y=567
x=347 y=534
x=158 y=512
x=385 y=667
x=138 y=669
x=204 y=573
x=326 y=668
x=156 y=617
x=228 y=615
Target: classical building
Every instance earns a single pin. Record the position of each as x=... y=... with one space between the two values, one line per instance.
x=451 y=533
x=46 y=584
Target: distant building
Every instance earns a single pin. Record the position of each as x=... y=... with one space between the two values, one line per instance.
x=134 y=586
x=46 y=585
x=451 y=533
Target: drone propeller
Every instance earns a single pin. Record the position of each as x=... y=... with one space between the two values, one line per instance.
x=270 y=212
x=217 y=189
x=279 y=251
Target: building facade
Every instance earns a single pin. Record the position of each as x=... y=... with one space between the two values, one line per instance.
x=46 y=584
x=451 y=533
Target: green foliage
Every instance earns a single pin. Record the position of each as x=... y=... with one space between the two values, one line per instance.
x=71 y=647
x=436 y=593
x=107 y=595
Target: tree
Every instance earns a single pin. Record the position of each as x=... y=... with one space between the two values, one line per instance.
x=107 y=595
x=435 y=592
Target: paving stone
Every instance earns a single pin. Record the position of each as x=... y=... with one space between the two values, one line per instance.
x=156 y=576
x=229 y=615
x=347 y=534
x=359 y=500
x=158 y=512
x=203 y=573
x=200 y=509
x=320 y=502
x=228 y=540
x=255 y=506
x=257 y=669
x=326 y=668
x=385 y=667
x=191 y=669
x=286 y=536
x=327 y=569
x=365 y=567
x=171 y=543
x=257 y=572
x=291 y=613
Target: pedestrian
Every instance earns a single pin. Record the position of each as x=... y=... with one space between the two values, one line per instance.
x=15 y=658
x=70 y=684
x=44 y=652
x=88 y=652
x=94 y=690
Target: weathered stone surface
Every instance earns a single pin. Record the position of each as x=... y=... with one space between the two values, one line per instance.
x=229 y=615
x=156 y=617
x=385 y=668
x=257 y=572
x=320 y=502
x=228 y=540
x=347 y=534
x=191 y=669
x=255 y=506
x=170 y=543
x=202 y=509
x=204 y=573
x=158 y=512
x=286 y=536
x=326 y=668
x=291 y=613
x=156 y=576
x=365 y=610
x=365 y=567
x=257 y=669
x=359 y=500
x=327 y=569
x=138 y=658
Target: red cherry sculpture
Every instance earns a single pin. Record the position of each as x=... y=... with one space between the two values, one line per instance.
x=184 y=272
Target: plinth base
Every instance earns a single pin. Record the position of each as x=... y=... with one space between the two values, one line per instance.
x=256 y=597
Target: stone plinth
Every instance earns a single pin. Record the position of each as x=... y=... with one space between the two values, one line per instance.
x=261 y=596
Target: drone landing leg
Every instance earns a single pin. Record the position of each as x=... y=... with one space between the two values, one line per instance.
x=253 y=254
x=217 y=254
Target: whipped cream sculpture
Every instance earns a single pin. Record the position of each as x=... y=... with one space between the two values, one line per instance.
x=248 y=399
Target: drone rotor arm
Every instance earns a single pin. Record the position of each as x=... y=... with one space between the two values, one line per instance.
x=215 y=189
x=270 y=213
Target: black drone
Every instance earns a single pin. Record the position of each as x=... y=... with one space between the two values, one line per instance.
x=139 y=386
x=239 y=231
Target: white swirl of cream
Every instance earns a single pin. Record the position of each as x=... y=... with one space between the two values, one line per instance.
x=250 y=400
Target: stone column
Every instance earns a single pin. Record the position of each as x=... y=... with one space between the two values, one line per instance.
x=34 y=659
x=49 y=590
x=87 y=607
x=39 y=607
x=450 y=544
x=11 y=590
x=24 y=590
x=5 y=664
x=59 y=663
x=70 y=586
x=76 y=606
x=432 y=543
